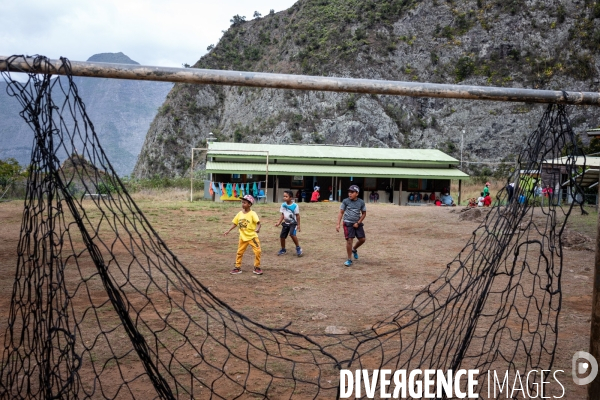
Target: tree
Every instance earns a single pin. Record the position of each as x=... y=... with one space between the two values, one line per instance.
x=237 y=20
x=9 y=169
x=256 y=14
x=271 y=12
x=210 y=47
x=186 y=65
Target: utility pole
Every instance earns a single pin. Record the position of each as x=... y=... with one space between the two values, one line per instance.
x=462 y=140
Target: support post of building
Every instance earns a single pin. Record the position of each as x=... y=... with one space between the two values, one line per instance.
x=335 y=196
x=276 y=194
x=400 y=194
x=192 y=178
x=332 y=188
x=459 y=190
x=267 y=179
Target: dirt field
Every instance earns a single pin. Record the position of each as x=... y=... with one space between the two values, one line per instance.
x=406 y=248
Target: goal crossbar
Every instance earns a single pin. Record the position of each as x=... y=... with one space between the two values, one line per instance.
x=300 y=82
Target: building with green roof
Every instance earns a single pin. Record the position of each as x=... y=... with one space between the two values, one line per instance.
x=391 y=173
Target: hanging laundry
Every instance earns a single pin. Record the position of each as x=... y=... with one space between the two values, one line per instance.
x=229 y=189
x=248 y=188
x=215 y=187
x=221 y=188
x=235 y=190
x=259 y=187
x=210 y=189
x=254 y=190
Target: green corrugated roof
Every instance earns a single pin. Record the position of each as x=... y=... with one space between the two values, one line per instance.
x=330 y=152
x=578 y=161
x=334 y=170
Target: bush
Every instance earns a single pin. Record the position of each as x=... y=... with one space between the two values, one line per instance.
x=164 y=109
x=464 y=68
x=238 y=136
x=237 y=20
x=252 y=53
x=351 y=103
x=106 y=188
x=317 y=137
x=561 y=13
x=596 y=10
x=9 y=170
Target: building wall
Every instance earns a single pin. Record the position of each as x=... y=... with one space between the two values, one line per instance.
x=366 y=185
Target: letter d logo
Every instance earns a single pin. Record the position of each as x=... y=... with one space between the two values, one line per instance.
x=581 y=367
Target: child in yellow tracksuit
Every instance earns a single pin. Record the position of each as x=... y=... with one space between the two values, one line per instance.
x=249 y=224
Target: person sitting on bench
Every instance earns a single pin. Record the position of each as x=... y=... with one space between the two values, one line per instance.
x=447 y=199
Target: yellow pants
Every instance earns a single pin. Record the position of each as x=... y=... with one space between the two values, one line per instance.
x=242 y=246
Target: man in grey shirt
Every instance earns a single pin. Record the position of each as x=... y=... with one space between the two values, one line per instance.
x=353 y=211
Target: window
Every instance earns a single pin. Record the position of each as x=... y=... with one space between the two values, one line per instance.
x=236 y=177
x=297 y=181
x=420 y=184
x=413 y=184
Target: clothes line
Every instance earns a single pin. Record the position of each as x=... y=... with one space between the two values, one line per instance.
x=234 y=190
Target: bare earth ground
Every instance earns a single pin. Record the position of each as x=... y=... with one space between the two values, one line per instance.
x=406 y=248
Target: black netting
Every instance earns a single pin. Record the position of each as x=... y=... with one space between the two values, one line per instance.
x=85 y=322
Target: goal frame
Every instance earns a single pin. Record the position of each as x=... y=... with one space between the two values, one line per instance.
x=265 y=152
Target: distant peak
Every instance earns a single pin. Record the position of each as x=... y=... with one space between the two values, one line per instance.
x=117 y=58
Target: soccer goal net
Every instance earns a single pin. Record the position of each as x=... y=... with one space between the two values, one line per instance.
x=102 y=308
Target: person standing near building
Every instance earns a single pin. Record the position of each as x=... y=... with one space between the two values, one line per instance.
x=486 y=189
x=353 y=212
x=315 y=195
x=510 y=189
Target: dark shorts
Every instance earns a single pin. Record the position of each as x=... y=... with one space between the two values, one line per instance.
x=350 y=232
x=285 y=229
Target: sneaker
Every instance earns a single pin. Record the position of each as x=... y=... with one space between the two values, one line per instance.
x=257 y=271
x=235 y=271
x=355 y=253
x=282 y=252
x=299 y=252
x=348 y=263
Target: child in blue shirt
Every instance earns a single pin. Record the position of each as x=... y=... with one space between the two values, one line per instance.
x=290 y=222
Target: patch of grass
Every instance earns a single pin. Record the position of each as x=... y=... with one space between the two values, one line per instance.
x=585 y=224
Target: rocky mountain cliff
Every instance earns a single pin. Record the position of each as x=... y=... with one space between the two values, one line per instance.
x=550 y=44
x=121 y=111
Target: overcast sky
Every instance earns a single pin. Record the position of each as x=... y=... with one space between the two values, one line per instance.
x=151 y=32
